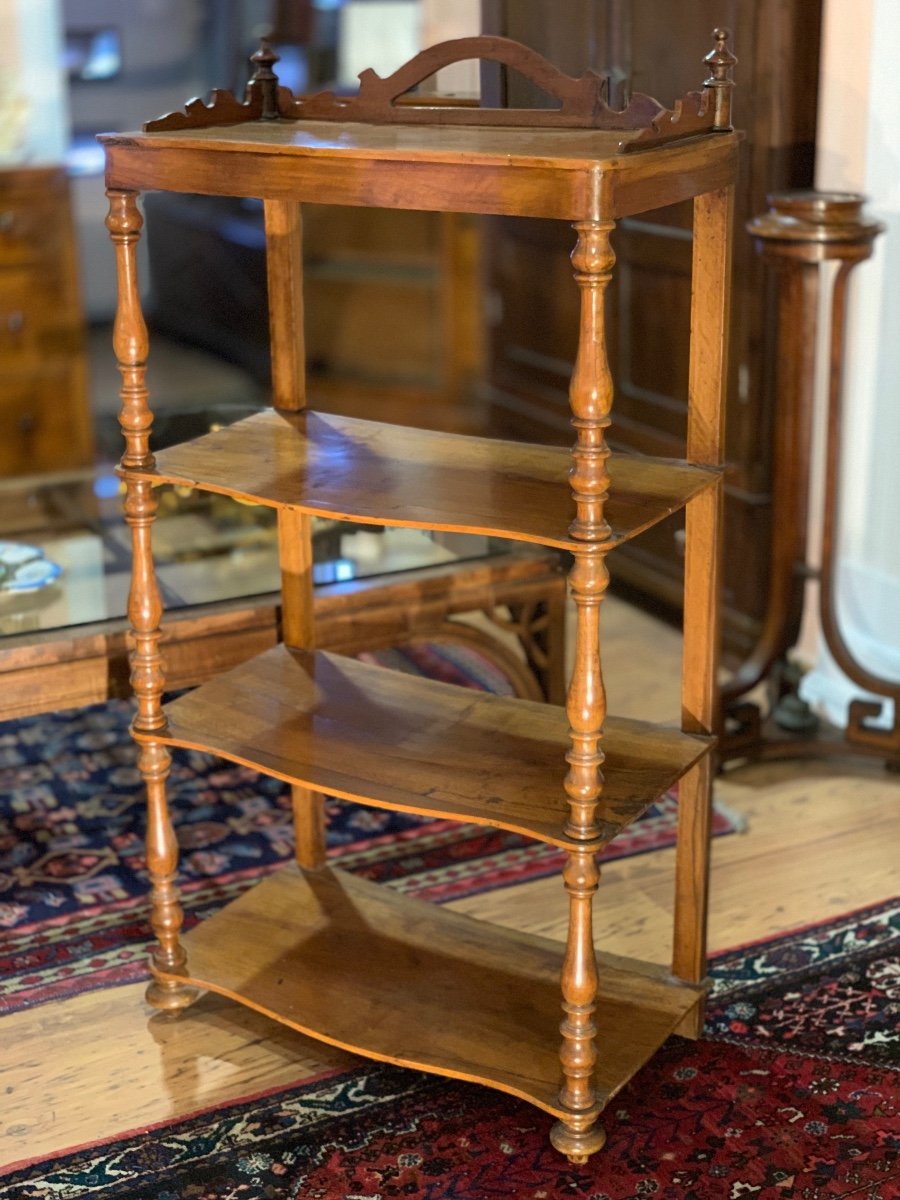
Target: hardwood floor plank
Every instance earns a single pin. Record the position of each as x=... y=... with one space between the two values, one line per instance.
x=85 y=1069
x=814 y=848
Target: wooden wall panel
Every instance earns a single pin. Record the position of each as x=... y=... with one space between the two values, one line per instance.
x=657 y=45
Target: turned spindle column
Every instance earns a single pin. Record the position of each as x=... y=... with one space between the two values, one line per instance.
x=578 y=1135
x=145 y=605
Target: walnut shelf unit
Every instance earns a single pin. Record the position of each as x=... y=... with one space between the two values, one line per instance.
x=335 y=957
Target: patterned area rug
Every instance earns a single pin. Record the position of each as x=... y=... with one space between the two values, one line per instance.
x=73 y=885
x=792 y=1095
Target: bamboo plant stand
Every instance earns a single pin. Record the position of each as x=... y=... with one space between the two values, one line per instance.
x=317 y=949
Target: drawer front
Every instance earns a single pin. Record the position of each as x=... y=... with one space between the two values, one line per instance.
x=44 y=423
x=22 y=312
x=33 y=216
x=27 y=233
x=36 y=320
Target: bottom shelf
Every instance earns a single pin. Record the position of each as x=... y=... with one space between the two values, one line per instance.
x=360 y=966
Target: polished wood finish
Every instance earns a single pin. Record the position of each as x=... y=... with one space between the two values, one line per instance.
x=383 y=738
x=295 y=553
x=145 y=605
x=720 y=61
x=590 y=397
x=342 y=467
x=577 y=1134
x=298 y=629
x=797 y=236
x=710 y=295
x=285 y=249
x=423 y=747
x=45 y=422
x=570 y=175
x=130 y=342
x=284 y=274
x=430 y=989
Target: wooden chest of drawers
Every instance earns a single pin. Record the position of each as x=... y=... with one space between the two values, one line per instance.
x=44 y=416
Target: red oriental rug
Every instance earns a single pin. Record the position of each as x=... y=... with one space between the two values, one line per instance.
x=792 y=1095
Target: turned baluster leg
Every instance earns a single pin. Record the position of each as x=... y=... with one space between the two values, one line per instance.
x=577 y=1135
x=145 y=607
x=147 y=679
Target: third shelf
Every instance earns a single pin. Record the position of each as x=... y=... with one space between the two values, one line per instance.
x=380 y=737
x=362 y=967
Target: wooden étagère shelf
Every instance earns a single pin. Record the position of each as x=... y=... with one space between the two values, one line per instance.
x=326 y=953
x=340 y=727
x=332 y=466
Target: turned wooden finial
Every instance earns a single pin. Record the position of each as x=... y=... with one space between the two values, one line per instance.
x=720 y=61
x=265 y=80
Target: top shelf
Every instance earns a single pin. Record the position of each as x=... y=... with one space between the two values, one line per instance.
x=579 y=160
x=343 y=467
x=569 y=174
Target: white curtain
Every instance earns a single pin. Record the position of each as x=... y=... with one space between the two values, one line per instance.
x=859 y=151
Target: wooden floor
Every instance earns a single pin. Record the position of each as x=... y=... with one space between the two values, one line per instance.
x=820 y=839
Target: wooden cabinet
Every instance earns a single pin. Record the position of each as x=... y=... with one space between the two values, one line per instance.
x=531 y=344
x=44 y=415
x=317 y=949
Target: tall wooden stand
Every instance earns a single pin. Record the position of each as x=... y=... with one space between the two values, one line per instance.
x=798 y=236
x=323 y=951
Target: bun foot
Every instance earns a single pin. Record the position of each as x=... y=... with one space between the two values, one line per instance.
x=577 y=1144
x=170 y=997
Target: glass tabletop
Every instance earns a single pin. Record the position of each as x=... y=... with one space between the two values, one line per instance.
x=65 y=550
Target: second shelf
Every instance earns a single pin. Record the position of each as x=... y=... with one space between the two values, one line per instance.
x=397 y=741
x=344 y=467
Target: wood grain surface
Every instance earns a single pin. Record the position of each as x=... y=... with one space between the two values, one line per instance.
x=572 y=175
x=367 y=471
x=820 y=840
x=700 y=707
x=330 y=955
x=362 y=966
x=398 y=741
